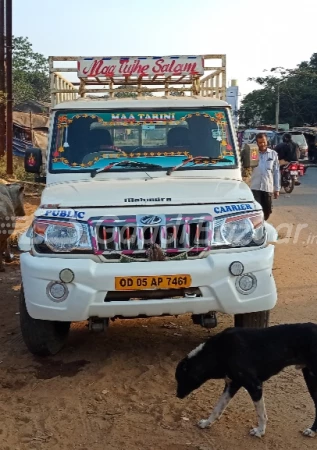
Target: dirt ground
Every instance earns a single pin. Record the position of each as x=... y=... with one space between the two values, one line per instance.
x=117 y=390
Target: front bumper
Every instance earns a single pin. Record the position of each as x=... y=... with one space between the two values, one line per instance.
x=86 y=297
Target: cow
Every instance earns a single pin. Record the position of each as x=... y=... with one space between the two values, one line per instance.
x=11 y=206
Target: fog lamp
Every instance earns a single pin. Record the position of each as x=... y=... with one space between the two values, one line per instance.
x=236 y=268
x=66 y=276
x=56 y=291
x=246 y=284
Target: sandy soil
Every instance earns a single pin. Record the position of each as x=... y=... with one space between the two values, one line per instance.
x=117 y=390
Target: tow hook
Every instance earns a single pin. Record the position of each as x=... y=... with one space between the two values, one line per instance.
x=205 y=320
x=98 y=325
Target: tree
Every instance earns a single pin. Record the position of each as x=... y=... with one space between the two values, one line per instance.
x=29 y=72
x=257 y=108
x=297 y=90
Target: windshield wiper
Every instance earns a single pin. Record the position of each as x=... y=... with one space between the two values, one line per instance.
x=203 y=159
x=125 y=163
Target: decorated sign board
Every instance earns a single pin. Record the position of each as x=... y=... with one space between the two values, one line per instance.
x=140 y=66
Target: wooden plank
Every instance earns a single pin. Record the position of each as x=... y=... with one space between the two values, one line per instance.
x=104 y=91
x=212 y=68
x=131 y=84
x=63 y=69
x=76 y=58
x=181 y=78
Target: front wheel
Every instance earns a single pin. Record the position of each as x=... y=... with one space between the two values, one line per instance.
x=259 y=319
x=42 y=337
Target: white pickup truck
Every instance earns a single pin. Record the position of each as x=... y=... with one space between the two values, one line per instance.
x=144 y=212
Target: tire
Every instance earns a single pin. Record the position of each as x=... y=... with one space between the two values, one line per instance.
x=252 y=320
x=288 y=189
x=42 y=337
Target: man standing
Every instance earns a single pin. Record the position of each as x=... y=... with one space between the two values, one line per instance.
x=265 y=179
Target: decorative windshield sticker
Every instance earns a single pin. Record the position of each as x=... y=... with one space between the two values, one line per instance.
x=141 y=118
x=83 y=140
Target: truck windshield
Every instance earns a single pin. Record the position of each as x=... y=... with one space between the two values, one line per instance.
x=88 y=140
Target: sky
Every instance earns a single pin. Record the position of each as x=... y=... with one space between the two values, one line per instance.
x=254 y=35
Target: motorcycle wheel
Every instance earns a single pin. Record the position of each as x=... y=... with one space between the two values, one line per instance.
x=290 y=187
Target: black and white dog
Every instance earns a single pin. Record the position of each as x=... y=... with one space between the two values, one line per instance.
x=246 y=357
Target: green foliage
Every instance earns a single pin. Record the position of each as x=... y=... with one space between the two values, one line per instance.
x=134 y=94
x=131 y=94
x=30 y=73
x=298 y=96
x=258 y=107
x=176 y=93
x=18 y=170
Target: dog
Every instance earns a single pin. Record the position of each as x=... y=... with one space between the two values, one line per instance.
x=247 y=357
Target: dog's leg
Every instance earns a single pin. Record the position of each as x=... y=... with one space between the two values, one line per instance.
x=311 y=382
x=229 y=392
x=256 y=393
x=262 y=418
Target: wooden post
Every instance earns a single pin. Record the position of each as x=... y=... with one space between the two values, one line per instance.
x=277 y=107
x=52 y=81
x=31 y=126
x=2 y=83
x=9 y=135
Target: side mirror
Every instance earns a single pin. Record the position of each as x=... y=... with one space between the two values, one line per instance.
x=33 y=160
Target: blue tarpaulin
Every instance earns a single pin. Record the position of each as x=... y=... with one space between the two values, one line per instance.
x=20 y=146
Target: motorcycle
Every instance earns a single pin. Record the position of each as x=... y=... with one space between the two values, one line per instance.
x=289 y=175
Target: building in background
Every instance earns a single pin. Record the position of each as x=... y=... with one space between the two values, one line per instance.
x=232 y=98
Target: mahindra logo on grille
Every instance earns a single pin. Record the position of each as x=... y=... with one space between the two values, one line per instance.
x=151 y=220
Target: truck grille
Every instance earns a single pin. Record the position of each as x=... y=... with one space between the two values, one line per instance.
x=117 y=236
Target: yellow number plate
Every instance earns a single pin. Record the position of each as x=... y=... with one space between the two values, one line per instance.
x=155 y=282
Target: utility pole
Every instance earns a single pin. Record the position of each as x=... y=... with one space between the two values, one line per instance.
x=2 y=83
x=9 y=136
x=277 y=109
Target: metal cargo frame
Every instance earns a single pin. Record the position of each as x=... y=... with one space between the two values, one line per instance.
x=213 y=84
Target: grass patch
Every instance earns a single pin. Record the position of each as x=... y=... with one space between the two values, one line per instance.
x=31 y=190
x=18 y=170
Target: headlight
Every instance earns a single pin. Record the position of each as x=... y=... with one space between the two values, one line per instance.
x=240 y=231
x=60 y=236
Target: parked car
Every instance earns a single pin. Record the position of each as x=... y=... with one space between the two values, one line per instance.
x=250 y=135
x=310 y=134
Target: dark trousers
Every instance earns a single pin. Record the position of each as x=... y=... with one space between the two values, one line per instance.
x=265 y=200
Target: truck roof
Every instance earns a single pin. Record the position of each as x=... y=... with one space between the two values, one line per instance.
x=142 y=103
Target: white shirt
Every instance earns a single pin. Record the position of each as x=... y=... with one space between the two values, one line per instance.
x=266 y=176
